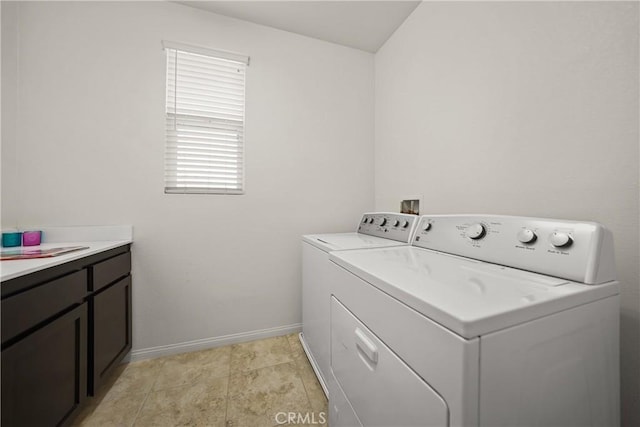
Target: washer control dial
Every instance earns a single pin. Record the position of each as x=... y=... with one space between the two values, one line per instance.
x=476 y=231
x=405 y=224
x=527 y=236
x=396 y=223
x=382 y=221
x=560 y=239
x=427 y=226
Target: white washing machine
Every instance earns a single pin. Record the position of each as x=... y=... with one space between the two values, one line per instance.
x=483 y=321
x=375 y=230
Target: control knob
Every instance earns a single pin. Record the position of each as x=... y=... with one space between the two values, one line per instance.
x=405 y=224
x=476 y=231
x=560 y=239
x=382 y=221
x=426 y=226
x=396 y=223
x=527 y=236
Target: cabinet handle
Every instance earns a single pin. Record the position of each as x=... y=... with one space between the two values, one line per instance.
x=365 y=345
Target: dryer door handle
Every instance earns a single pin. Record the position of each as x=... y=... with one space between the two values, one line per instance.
x=367 y=347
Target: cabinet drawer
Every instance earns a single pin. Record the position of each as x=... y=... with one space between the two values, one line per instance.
x=109 y=271
x=25 y=310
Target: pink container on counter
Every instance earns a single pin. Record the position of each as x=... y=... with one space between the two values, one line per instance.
x=31 y=238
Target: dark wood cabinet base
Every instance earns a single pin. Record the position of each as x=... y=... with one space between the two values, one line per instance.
x=111 y=330
x=64 y=330
x=44 y=376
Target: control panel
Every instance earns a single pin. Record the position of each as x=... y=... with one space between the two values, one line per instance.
x=389 y=225
x=579 y=251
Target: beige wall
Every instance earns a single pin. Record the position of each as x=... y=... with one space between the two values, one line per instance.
x=90 y=120
x=519 y=108
x=8 y=108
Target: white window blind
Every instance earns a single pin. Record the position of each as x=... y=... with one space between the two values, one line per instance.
x=205 y=120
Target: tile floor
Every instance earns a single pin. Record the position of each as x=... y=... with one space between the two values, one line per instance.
x=241 y=385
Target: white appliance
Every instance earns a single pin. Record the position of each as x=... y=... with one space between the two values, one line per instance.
x=375 y=230
x=483 y=321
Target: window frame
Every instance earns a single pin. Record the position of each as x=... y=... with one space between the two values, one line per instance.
x=206 y=122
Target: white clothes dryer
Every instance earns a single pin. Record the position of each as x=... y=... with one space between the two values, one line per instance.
x=375 y=230
x=483 y=321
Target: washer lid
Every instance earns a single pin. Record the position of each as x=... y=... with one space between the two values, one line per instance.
x=469 y=297
x=344 y=241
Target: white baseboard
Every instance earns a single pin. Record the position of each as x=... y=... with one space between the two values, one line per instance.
x=205 y=343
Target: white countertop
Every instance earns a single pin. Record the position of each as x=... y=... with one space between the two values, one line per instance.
x=98 y=238
x=11 y=269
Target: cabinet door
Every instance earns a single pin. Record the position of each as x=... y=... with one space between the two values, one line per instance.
x=44 y=375
x=111 y=329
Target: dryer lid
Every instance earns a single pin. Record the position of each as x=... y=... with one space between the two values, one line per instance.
x=467 y=296
x=345 y=241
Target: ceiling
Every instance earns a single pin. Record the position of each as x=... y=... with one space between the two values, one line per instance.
x=364 y=25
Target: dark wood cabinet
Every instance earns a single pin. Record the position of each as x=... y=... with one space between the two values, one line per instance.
x=27 y=310
x=111 y=329
x=64 y=329
x=107 y=272
x=44 y=375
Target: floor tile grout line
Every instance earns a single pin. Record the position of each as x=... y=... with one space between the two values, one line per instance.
x=191 y=383
x=265 y=366
x=296 y=336
x=299 y=371
x=146 y=397
x=144 y=401
x=226 y=407
x=297 y=368
x=291 y=362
